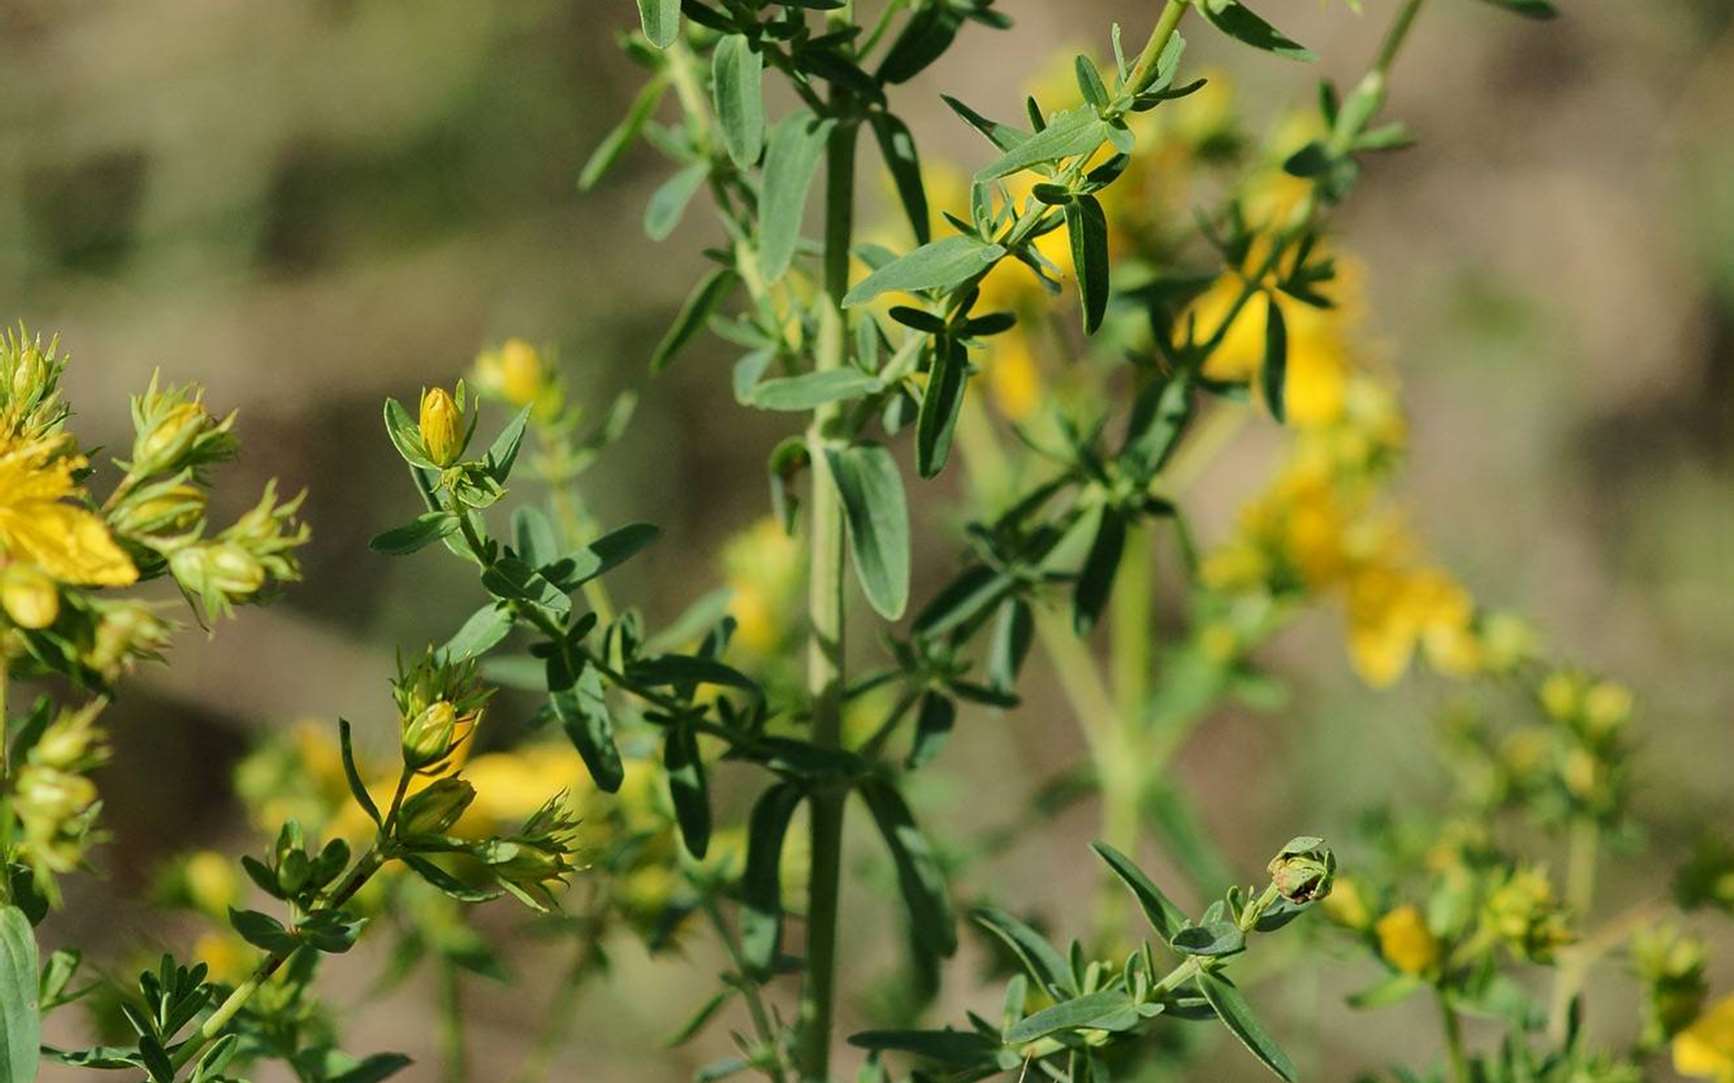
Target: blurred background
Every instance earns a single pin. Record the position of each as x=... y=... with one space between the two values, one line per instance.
x=308 y=205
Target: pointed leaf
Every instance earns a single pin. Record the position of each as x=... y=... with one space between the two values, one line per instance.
x=1163 y=916
x=484 y=630
x=1087 y=228
x=919 y=876
x=668 y=203
x=614 y=144
x=1275 y=371
x=1069 y=134
x=761 y=884
x=20 y=1023
x=698 y=307
x=940 y=406
x=661 y=19
x=812 y=389
x=1240 y=23
x=582 y=709
x=1107 y=1009
x=737 y=77
x=897 y=146
x=791 y=160
x=687 y=788
x=424 y=530
x=1101 y=565
x=941 y=264
x=1236 y=1014
x=871 y=488
x=1039 y=958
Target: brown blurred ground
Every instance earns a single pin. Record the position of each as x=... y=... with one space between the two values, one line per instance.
x=309 y=205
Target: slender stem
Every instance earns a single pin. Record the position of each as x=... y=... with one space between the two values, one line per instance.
x=1585 y=844
x=825 y=671
x=1166 y=23
x=1396 y=35
x=1454 y=1050
x=767 y=1033
x=452 y=1051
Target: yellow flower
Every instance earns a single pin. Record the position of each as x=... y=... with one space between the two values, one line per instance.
x=1705 y=1050
x=39 y=521
x=1013 y=376
x=1346 y=906
x=763 y=570
x=441 y=426
x=1406 y=942
x=514 y=372
x=228 y=956
x=211 y=882
x=1607 y=706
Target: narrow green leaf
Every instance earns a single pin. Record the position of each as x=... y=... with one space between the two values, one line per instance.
x=661 y=19
x=426 y=529
x=20 y=1022
x=1163 y=916
x=686 y=669
x=1044 y=964
x=374 y=1069
x=614 y=144
x=1096 y=577
x=1236 y=1014
x=687 y=788
x=956 y=1048
x=406 y=435
x=871 y=488
x=791 y=161
x=919 y=876
x=480 y=634
x=1211 y=939
x=352 y=773
x=1107 y=1009
x=1530 y=9
x=812 y=389
x=1240 y=23
x=1068 y=134
x=897 y=146
x=737 y=77
x=1002 y=136
x=1275 y=372
x=941 y=264
x=706 y=1012
x=923 y=39
x=761 y=883
x=582 y=709
x=933 y=725
x=1159 y=418
x=668 y=203
x=448 y=884
x=263 y=931
x=698 y=307
x=604 y=554
x=503 y=452
x=1087 y=228
x=1013 y=633
x=940 y=406
x=1090 y=82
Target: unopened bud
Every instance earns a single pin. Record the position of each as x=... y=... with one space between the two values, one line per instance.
x=429 y=735
x=441 y=426
x=436 y=808
x=169 y=437
x=1303 y=870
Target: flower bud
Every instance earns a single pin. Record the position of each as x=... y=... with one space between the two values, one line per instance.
x=1303 y=870
x=1524 y=912
x=429 y=735
x=435 y=808
x=168 y=437
x=29 y=596
x=441 y=426
x=160 y=509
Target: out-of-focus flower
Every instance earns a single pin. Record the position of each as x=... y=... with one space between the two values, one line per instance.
x=1705 y=1050
x=1525 y=914
x=1406 y=942
x=515 y=372
x=764 y=574
x=1671 y=966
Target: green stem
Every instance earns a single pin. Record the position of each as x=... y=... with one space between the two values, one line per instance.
x=825 y=671
x=1166 y=23
x=762 y=1026
x=1396 y=35
x=1454 y=1050
x=1585 y=844
x=452 y=1052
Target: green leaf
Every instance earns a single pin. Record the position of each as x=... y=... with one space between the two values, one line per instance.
x=941 y=264
x=510 y=578
x=1391 y=990
x=940 y=406
x=1211 y=939
x=374 y=1069
x=791 y=160
x=533 y=536
x=668 y=203
x=919 y=875
x=706 y=1012
x=897 y=146
x=1101 y=565
x=1275 y=371
x=957 y=1048
x=406 y=435
x=480 y=634
x=583 y=712
x=20 y=1023
x=1090 y=82
x=698 y=307
x=871 y=487
x=1236 y=1014
x=1002 y=136
x=1013 y=633
x=1069 y=134
x=761 y=883
x=687 y=788
x=737 y=78
x=1163 y=916
x=661 y=19
x=686 y=669
x=1159 y=418
x=1530 y=9
x=1106 y=1009
x=263 y=931
x=614 y=144
x=353 y=774
x=932 y=726
x=1038 y=956
x=812 y=389
x=426 y=529
x=923 y=39
x=604 y=554
x=503 y=452
x=448 y=884
x=1240 y=23
x=1087 y=228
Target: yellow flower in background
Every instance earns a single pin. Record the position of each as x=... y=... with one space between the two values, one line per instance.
x=211 y=883
x=1013 y=376
x=1406 y=942
x=1346 y=906
x=1705 y=1050
x=517 y=373
x=512 y=785
x=763 y=570
x=229 y=958
x=39 y=521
